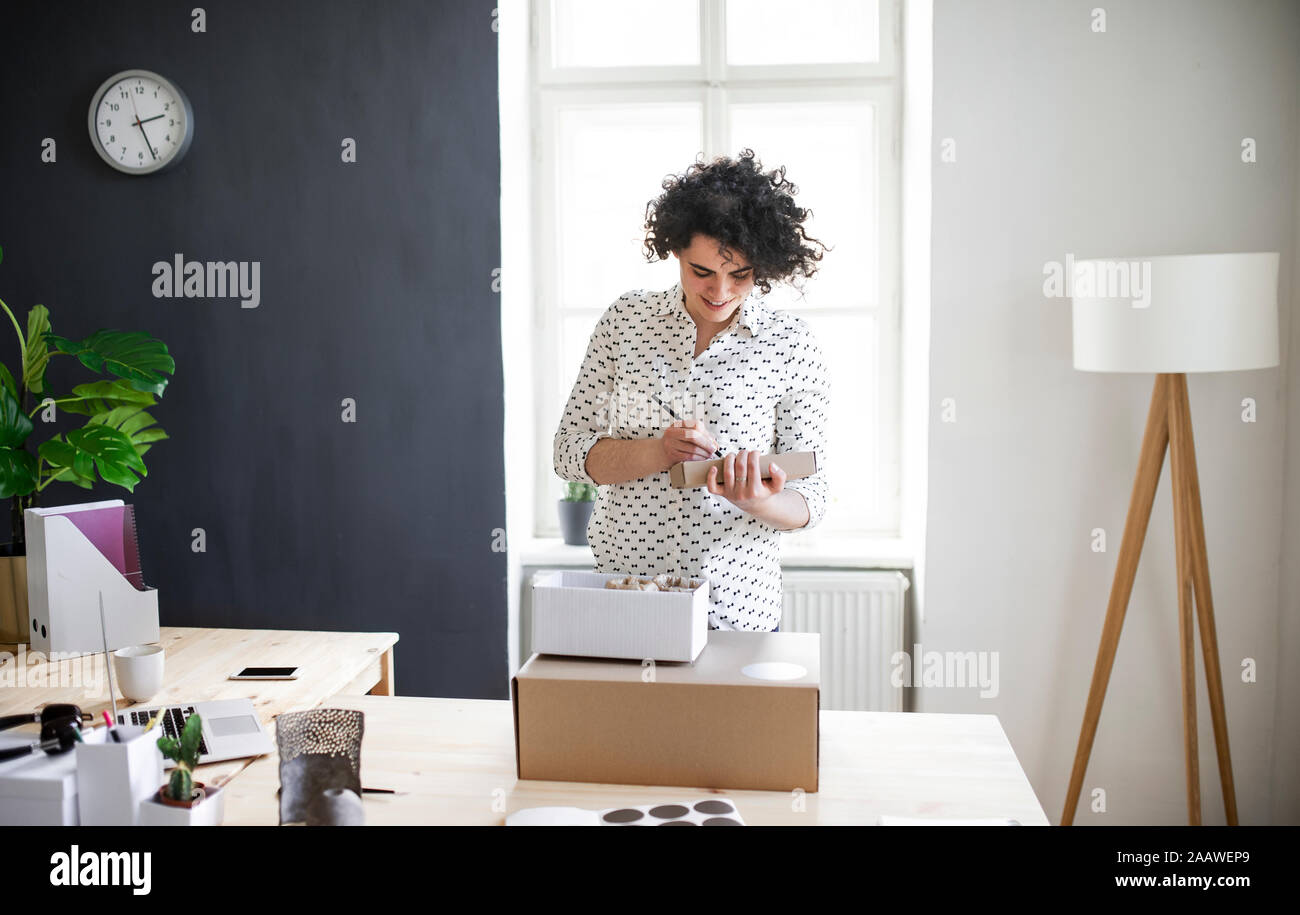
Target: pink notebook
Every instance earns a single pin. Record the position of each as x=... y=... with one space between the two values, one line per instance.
x=112 y=531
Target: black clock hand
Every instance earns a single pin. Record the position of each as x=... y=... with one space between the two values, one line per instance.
x=140 y=124
x=147 y=120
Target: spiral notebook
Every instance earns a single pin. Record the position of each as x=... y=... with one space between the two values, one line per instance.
x=112 y=530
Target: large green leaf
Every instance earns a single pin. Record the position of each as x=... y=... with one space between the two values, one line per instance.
x=136 y=357
x=7 y=379
x=38 y=349
x=15 y=425
x=133 y=422
x=115 y=458
x=78 y=467
x=17 y=465
x=17 y=472
x=108 y=394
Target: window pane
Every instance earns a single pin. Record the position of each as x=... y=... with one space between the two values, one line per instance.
x=575 y=331
x=850 y=344
x=612 y=160
x=807 y=32
x=829 y=153
x=596 y=33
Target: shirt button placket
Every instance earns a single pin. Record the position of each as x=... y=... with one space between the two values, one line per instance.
x=685 y=368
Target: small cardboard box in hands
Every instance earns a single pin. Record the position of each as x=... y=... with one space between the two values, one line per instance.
x=796 y=464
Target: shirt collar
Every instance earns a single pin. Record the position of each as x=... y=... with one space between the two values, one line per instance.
x=754 y=313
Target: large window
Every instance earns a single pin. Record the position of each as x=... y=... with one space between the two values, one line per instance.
x=628 y=93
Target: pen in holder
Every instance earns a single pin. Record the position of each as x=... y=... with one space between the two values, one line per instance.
x=114 y=777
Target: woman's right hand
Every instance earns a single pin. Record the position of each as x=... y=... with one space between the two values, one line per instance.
x=688 y=440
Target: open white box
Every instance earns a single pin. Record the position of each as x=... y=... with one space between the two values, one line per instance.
x=575 y=614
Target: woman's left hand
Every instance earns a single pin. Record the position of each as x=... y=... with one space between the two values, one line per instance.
x=740 y=483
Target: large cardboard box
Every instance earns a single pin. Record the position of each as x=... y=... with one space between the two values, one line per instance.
x=744 y=715
x=575 y=614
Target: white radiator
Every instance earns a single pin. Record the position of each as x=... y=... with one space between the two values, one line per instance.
x=860 y=618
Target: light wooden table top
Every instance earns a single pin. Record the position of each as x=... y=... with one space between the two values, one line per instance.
x=197 y=666
x=453 y=763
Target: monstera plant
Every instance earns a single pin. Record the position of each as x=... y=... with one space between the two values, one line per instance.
x=118 y=430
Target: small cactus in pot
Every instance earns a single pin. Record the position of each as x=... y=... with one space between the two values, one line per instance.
x=180 y=789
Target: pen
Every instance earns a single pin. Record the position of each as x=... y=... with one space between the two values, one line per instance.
x=669 y=410
x=108 y=662
x=152 y=722
x=111 y=732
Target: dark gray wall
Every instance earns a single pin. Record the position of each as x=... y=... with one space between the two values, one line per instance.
x=376 y=284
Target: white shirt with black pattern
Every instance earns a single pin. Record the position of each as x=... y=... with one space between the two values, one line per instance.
x=761 y=384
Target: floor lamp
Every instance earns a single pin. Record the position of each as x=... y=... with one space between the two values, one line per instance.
x=1171 y=316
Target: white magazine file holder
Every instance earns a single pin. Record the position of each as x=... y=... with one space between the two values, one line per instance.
x=66 y=573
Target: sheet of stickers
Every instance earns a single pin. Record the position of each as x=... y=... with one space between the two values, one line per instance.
x=711 y=811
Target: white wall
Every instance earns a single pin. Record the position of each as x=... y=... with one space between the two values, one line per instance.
x=516 y=303
x=1125 y=142
x=1286 y=722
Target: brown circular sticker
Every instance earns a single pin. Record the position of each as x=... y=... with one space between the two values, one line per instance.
x=714 y=807
x=625 y=815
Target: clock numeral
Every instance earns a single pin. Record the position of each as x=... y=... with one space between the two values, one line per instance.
x=166 y=105
x=139 y=90
x=112 y=139
x=113 y=105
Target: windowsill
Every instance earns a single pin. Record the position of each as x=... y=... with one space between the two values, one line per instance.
x=841 y=553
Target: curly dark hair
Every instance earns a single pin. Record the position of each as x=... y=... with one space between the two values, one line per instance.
x=743 y=207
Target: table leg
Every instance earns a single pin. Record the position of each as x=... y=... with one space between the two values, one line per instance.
x=385 y=685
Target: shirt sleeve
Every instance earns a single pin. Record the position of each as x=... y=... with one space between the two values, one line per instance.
x=587 y=414
x=801 y=418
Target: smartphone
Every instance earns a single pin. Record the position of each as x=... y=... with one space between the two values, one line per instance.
x=266 y=673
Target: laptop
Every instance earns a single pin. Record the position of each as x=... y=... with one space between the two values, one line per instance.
x=231 y=728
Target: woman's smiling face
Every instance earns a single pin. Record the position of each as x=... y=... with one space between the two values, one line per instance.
x=714 y=285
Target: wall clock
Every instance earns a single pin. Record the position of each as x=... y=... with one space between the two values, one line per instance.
x=140 y=122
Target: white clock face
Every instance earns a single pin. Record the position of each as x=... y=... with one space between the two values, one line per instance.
x=140 y=122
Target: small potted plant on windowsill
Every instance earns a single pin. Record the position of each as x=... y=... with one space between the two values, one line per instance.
x=183 y=801
x=575 y=512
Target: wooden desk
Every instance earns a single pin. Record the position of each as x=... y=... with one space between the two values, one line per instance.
x=453 y=762
x=198 y=663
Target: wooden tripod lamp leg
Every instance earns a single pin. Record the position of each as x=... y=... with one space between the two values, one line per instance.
x=1154 y=442
x=1179 y=433
x=1199 y=570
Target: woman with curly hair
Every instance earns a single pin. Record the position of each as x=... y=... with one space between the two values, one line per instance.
x=702 y=370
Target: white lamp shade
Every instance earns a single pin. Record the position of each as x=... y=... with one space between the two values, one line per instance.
x=1181 y=313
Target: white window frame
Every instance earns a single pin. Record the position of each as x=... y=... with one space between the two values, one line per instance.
x=713 y=83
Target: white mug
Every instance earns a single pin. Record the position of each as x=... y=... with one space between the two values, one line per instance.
x=139 y=671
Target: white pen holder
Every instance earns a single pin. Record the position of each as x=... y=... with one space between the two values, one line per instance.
x=113 y=778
